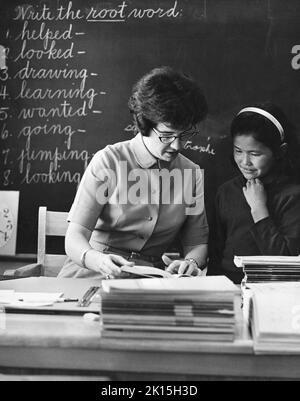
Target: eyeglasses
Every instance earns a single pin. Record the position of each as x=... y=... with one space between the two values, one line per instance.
x=183 y=137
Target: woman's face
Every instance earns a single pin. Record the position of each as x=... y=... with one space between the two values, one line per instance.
x=164 y=151
x=253 y=158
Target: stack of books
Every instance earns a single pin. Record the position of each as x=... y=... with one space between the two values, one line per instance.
x=261 y=269
x=275 y=318
x=188 y=308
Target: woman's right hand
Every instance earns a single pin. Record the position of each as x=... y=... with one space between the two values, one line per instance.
x=107 y=264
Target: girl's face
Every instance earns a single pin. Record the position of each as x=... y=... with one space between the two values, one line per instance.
x=253 y=158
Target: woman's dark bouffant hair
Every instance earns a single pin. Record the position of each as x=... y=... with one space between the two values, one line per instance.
x=166 y=96
x=264 y=130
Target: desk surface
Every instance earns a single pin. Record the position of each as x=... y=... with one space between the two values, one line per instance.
x=71 y=343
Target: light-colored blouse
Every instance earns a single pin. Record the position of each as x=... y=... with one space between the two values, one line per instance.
x=132 y=201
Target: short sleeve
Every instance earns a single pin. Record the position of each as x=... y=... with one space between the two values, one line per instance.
x=93 y=191
x=195 y=228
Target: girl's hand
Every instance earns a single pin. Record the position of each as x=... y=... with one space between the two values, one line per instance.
x=181 y=266
x=256 y=197
x=255 y=193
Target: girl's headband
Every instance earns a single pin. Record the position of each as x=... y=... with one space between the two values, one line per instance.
x=269 y=116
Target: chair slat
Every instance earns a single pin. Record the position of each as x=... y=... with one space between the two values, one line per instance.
x=42 y=235
x=56 y=223
x=53 y=264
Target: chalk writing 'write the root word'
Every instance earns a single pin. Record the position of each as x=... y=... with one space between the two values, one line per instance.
x=45 y=13
x=54 y=99
x=114 y=13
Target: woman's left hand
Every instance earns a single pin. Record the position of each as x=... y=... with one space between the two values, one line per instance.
x=178 y=266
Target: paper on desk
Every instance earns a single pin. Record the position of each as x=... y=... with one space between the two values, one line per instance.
x=7 y=296
x=22 y=304
x=23 y=299
x=39 y=296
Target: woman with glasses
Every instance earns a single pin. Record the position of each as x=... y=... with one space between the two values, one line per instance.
x=136 y=196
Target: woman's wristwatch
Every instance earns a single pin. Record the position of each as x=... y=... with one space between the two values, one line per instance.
x=199 y=270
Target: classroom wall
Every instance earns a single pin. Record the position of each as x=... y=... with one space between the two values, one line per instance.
x=68 y=67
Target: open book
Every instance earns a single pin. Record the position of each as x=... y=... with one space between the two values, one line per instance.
x=147 y=271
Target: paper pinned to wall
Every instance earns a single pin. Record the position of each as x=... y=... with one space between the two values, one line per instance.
x=9 y=209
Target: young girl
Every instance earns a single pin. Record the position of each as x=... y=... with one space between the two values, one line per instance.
x=258 y=212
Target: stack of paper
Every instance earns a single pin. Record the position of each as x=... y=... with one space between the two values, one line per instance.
x=275 y=318
x=260 y=269
x=189 y=309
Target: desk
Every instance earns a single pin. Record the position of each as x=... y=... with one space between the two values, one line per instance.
x=69 y=343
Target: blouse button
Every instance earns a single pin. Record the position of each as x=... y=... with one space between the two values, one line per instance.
x=150 y=218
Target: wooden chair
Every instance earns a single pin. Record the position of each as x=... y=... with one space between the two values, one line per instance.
x=49 y=265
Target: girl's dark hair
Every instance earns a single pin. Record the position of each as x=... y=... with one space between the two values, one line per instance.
x=165 y=95
x=264 y=130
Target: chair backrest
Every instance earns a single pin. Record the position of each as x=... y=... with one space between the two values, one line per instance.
x=50 y=224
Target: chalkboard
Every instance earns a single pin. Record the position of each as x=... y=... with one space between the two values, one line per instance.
x=67 y=68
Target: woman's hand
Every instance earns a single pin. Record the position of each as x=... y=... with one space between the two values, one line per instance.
x=256 y=197
x=181 y=266
x=107 y=264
